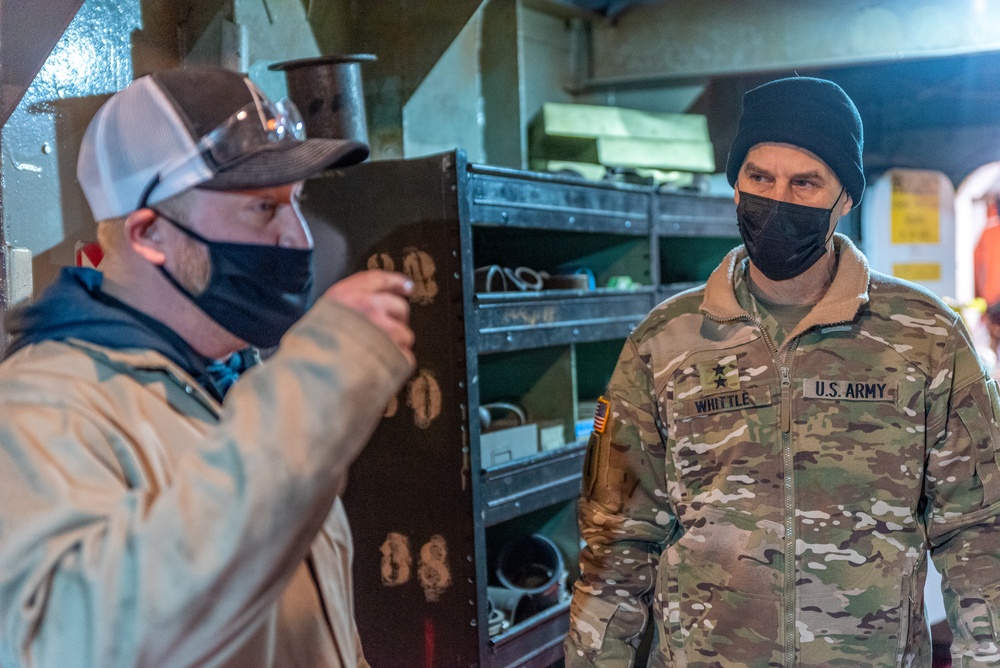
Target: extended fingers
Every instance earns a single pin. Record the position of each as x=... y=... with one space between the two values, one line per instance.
x=378 y=280
x=381 y=296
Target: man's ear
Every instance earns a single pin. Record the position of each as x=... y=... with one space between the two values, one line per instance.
x=144 y=232
x=847 y=206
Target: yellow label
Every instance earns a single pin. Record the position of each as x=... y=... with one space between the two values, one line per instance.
x=917 y=271
x=916 y=202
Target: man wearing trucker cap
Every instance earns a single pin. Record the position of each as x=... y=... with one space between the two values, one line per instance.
x=153 y=512
x=781 y=449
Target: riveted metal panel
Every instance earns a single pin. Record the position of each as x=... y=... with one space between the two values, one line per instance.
x=43 y=208
x=694 y=216
x=513 y=198
x=514 y=321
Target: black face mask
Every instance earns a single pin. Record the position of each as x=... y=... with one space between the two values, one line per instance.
x=783 y=239
x=255 y=291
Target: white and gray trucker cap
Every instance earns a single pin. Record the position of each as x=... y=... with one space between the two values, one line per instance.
x=203 y=127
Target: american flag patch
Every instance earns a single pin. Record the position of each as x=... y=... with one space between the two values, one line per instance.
x=601 y=415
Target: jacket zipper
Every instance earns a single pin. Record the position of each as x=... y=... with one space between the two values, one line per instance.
x=784 y=368
x=789 y=465
x=783 y=362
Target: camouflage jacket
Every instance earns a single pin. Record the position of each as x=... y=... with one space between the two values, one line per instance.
x=774 y=506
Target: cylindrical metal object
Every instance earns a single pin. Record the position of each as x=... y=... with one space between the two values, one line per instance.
x=328 y=91
x=533 y=565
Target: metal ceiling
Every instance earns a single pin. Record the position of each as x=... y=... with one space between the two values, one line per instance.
x=923 y=72
x=611 y=9
x=931 y=113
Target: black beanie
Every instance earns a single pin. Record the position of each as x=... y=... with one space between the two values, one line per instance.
x=813 y=114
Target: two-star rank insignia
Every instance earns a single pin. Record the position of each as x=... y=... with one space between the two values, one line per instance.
x=719 y=376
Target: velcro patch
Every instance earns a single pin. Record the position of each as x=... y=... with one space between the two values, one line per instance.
x=848 y=390
x=731 y=401
x=601 y=415
x=719 y=376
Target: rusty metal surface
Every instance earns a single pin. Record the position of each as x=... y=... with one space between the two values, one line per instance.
x=28 y=31
x=328 y=91
x=43 y=208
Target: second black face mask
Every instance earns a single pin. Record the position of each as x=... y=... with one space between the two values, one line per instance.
x=256 y=292
x=782 y=239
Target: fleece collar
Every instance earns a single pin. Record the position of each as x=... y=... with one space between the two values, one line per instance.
x=841 y=303
x=75 y=308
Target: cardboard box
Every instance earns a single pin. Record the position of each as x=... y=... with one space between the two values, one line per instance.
x=551 y=435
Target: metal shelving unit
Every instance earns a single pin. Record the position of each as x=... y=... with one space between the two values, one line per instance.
x=526 y=485
x=512 y=321
x=420 y=481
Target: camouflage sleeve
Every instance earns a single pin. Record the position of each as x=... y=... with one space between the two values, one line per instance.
x=962 y=488
x=624 y=520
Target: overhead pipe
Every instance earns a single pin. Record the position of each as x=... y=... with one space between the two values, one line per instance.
x=328 y=91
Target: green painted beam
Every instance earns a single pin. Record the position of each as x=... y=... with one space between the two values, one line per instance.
x=692 y=156
x=621 y=138
x=588 y=120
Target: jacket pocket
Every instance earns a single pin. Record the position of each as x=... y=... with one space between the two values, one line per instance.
x=865 y=617
x=726 y=565
x=991 y=411
x=726 y=451
x=978 y=413
x=591 y=617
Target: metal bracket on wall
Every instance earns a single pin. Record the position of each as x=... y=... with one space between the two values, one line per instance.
x=18 y=281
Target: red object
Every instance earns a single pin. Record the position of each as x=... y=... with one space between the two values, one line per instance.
x=89 y=255
x=986 y=257
x=428 y=643
x=601 y=415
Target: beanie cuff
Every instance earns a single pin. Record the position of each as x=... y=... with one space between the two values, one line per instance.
x=829 y=150
x=813 y=114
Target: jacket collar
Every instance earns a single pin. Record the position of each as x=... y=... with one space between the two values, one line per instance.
x=76 y=307
x=130 y=361
x=847 y=294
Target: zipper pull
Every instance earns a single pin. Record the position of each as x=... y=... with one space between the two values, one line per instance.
x=786 y=400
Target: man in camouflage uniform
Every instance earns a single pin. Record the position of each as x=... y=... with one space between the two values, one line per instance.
x=783 y=446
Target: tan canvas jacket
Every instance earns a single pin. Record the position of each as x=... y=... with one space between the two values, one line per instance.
x=143 y=524
x=769 y=505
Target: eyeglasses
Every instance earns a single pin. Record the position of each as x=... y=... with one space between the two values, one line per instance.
x=258 y=124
